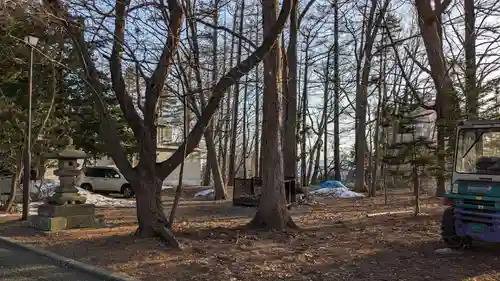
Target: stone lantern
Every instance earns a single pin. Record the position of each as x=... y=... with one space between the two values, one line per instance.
x=66 y=208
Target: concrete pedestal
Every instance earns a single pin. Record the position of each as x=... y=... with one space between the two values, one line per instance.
x=53 y=217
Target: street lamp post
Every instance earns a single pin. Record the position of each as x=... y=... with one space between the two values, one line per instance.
x=32 y=41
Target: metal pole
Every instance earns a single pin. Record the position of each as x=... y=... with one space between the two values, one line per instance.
x=27 y=151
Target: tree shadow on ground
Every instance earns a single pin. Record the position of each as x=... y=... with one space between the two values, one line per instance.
x=211 y=210
x=394 y=247
x=416 y=262
x=18 y=228
x=271 y=257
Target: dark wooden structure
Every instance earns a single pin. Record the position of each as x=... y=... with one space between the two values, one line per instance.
x=246 y=192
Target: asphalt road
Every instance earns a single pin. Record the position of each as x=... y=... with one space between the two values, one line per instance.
x=21 y=265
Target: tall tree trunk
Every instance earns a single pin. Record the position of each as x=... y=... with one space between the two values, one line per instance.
x=245 y=144
x=380 y=105
x=147 y=186
x=256 y=148
x=219 y=188
x=236 y=99
x=298 y=123
x=310 y=162
x=371 y=30
x=227 y=126
x=416 y=188
x=256 y=163
x=290 y=101
x=326 y=89
x=207 y=172
x=303 y=153
x=222 y=112
x=272 y=212
x=369 y=138
x=314 y=177
x=336 y=92
x=447 y=103
x=471 y=89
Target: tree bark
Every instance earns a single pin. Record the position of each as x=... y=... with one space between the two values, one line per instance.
x=227 y=123
x=380 y=106
x=314 y=177
x=470 y=60
x=372 y=26
x=326 y=90
x=220 y=190
x=290 y=101
x=447 y=103
x=336 y=93
x=310 y=161
x=272 y=211
x=245 y=120
x=257 y=155
x=150 y=216
x=303 y=154
x=212 y=162
x=236 y=100
x=207 y=171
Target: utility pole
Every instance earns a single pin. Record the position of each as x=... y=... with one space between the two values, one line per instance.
x=30 y=40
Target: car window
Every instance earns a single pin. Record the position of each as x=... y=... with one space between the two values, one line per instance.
x=88 y=172
x=112 y=174
x=96 y=173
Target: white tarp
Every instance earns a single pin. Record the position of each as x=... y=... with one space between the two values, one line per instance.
x=205 y=193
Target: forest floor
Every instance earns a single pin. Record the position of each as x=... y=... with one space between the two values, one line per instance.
x=337 y=241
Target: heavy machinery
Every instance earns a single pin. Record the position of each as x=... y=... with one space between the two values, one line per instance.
x=473 y=212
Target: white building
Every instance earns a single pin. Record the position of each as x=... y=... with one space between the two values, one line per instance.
x=424 y=122
x=424 y=127
x=192 y=174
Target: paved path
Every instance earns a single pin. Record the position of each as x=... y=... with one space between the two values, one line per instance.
x=21 y=265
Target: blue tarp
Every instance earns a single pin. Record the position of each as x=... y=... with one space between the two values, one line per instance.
x=331 y=184
x=335 y=189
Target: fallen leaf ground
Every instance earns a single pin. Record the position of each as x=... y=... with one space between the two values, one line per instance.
x=337 y=241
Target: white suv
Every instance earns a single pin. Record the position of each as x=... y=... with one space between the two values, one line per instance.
x=105 y=180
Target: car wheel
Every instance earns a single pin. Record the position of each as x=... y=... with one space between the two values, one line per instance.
x=127 y=191
x=88 y=187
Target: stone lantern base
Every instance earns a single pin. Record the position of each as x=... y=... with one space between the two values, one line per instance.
x=53 y=217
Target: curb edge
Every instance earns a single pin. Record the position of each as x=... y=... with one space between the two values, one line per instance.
x=87 y=268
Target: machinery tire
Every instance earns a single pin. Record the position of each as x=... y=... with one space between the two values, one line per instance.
x=448 y=231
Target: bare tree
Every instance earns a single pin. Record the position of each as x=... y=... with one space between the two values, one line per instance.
x=147 y=177
x=447 y=105
x=272 y=212
x=370 y=31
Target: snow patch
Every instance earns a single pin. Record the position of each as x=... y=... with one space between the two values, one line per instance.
x=41 y=190
x=446 y=251
x=104 y=201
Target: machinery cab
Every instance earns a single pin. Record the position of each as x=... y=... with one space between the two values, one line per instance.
x=474 y=196
x=476 y=164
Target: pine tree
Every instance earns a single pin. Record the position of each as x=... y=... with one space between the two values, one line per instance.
x=413 y=153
